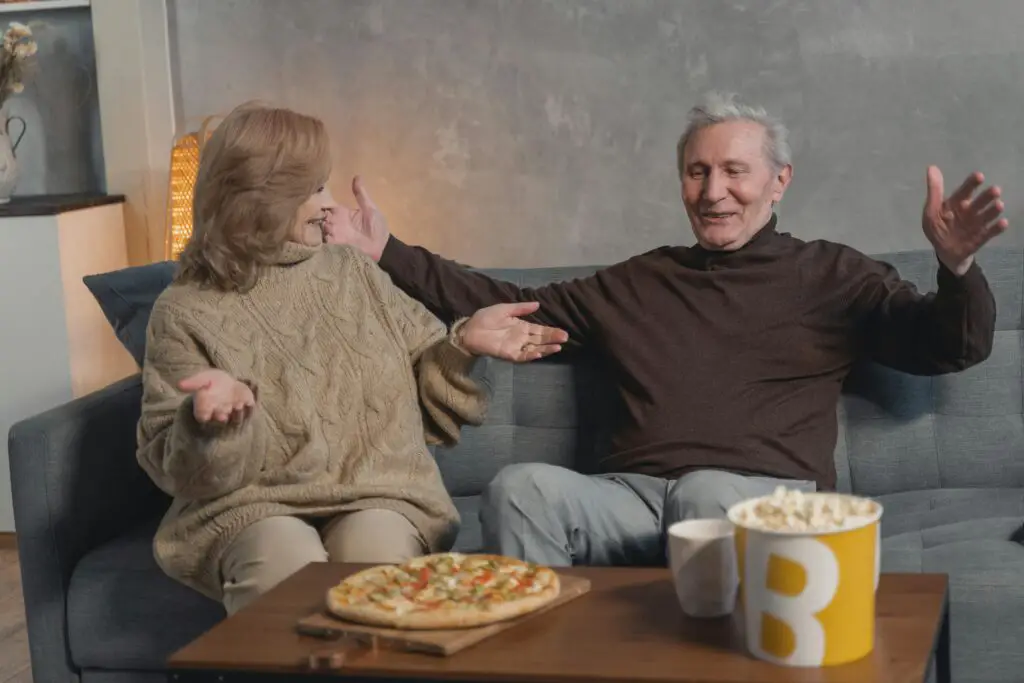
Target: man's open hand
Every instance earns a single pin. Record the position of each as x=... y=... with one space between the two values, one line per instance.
x=959 y=225
x=364 y=228
x=498 y=332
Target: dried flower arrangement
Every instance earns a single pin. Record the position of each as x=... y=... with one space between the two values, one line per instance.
x=19 y=48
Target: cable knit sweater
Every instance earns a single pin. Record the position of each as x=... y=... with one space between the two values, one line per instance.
x=350 y=376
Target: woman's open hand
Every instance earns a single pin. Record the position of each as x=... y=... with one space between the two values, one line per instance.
x=217 y=396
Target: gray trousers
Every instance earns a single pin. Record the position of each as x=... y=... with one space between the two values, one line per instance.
x=555 y=516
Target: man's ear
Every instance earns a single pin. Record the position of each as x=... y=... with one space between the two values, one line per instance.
x=782 y=180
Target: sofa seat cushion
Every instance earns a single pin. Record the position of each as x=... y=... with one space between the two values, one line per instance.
x=967 y=535
x=931 y=509
x=124 y=613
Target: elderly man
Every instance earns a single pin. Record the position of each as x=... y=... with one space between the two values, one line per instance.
x=728 y=356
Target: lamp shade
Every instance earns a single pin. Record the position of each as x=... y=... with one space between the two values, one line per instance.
x=184 y=170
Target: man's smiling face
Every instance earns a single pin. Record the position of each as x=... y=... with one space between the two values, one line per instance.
x=729 y=183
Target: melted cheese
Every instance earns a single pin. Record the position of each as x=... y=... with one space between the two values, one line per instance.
x=453 y=580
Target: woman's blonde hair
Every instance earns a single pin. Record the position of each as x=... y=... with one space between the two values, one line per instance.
x=259 y=166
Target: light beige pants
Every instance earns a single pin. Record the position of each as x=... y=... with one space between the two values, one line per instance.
x=269 y=551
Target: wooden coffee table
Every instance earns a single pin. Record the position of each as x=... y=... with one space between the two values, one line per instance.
x=628 y=629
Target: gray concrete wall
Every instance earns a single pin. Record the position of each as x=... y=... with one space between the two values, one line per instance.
x=539 y=132
x=62 y=149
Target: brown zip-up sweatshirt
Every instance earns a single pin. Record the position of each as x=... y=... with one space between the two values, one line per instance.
x=733 y=360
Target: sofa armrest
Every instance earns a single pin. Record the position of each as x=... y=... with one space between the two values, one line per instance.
x=76 y=484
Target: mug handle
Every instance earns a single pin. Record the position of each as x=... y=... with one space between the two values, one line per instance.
x=7 y=129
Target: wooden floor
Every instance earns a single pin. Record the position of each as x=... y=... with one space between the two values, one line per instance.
x=14 y=666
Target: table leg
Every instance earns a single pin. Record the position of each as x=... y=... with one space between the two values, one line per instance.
x=943 y=663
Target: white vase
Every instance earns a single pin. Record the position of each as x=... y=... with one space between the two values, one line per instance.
x=8 y=162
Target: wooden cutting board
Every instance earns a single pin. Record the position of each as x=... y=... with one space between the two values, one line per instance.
x=324 y=625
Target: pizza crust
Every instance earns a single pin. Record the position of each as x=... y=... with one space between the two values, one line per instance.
x=455 y=616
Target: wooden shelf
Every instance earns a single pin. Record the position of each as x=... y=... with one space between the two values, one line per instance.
x=41 y=5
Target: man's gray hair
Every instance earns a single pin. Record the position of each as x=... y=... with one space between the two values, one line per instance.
x=718 y=107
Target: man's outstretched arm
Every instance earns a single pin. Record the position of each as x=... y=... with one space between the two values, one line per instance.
x=948 y=330
x=453 y=291
x=450 y=290
x=952 y=329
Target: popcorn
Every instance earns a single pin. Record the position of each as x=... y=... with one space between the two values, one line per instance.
x=794 y=511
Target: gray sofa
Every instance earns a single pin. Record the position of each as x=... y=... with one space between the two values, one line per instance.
x=945 y=455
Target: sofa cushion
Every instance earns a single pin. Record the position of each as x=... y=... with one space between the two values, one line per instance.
x=967 y=535
x=558 y=411
x=126 y=298
x=986 y=592
x=925 y=512
x=123 y=612
x=961 y=430
x=470 y=539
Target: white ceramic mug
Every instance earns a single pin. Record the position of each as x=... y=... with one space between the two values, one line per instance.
x=702 y=558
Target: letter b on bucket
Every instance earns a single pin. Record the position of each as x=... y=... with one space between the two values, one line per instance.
x=809 y=598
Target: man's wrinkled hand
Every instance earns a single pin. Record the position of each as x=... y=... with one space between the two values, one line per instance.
x=959 y=225
x=364 y=228
x=498 y=331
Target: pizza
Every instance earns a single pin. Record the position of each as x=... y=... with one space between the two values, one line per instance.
x=444 y=591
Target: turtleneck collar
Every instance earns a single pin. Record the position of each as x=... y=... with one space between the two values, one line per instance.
x=293 y=252
x=760 y=246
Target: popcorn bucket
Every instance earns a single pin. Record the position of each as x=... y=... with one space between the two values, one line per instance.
x=808 y=569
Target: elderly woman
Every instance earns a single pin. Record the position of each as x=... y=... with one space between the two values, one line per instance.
x=290 y=388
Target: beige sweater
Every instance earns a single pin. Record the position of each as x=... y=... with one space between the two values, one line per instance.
x=350 y=375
